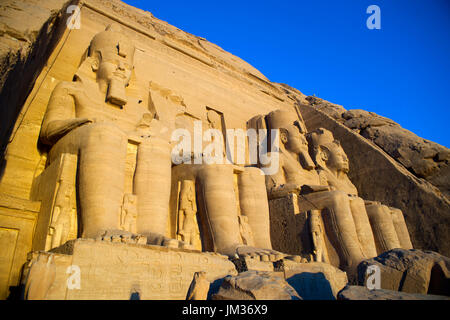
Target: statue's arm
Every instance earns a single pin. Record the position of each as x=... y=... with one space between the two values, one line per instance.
x=60 y=116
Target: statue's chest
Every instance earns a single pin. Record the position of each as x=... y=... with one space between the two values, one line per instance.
x=126 y=117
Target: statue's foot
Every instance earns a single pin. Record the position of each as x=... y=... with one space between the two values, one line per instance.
x=259 y=253
x=122 y=236
x=163 y=241
x=298 y=259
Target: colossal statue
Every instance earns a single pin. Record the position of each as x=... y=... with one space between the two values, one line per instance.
x=388 y=224
x=93 y=118
x=297 y=174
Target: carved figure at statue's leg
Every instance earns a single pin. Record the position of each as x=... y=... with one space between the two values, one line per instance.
x=383 y=227
x=129 y=213
x=317 y=234
x=187 y=212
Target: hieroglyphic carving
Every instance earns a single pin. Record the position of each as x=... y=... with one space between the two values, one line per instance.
x=111 y=270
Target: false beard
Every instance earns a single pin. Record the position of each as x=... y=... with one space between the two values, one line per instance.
x=116 y=92
x=306 y=161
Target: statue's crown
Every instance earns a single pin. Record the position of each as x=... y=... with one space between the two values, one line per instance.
x=112 y=41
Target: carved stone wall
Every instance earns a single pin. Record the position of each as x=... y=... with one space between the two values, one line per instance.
x=181 y=81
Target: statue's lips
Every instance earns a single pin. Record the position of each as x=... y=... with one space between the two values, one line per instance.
x=119 y=76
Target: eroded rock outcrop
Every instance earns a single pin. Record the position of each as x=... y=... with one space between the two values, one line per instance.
x=29 y=31
x=256 y=285
x=362 y=293
x=413 y=271
x=424 y=158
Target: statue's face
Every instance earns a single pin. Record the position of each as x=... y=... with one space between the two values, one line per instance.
x=296 y=141
x=338 y=159
x=114 y=66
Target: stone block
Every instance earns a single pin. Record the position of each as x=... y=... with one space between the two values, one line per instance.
x=122 y=271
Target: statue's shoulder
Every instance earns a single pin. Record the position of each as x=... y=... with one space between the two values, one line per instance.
x=67 y=87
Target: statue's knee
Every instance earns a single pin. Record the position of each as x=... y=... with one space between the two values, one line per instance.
x=358 y=201
x=253 y=176
x=377 y=212
x=254 y=171
x=338 y=198
x=216 y=171
x=396 y=212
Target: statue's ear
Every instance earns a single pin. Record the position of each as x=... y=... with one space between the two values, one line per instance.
x=283 y=135
x=94 y=65
x=323 y=154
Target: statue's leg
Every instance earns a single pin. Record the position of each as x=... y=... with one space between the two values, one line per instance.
x=217 y=185
x=363 y=228
x=101 y=174
x=255 y=205
x=400 y=227
x=152 y=183
x=382 y=226
x=101 y=168
x=340 y=221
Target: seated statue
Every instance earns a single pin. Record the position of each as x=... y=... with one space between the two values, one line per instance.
x=94 y=118
x=387 y=224
x=297 y=174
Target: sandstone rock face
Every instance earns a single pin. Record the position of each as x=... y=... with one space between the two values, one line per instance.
x=256 y=285
x=379 y=177
x=362 y=293
x=412 y=271
x=28 y=33
x=424 y=158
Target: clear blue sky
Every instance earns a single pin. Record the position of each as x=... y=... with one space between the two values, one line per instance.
x=324 y=48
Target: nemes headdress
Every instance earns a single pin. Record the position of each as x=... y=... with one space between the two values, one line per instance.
x=106 y=42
